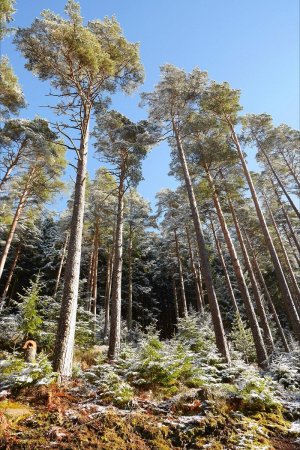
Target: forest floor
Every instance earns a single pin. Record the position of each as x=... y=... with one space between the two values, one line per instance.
x=75 y=417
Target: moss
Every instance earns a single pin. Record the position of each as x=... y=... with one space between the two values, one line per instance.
x=273 y=422
x=213 y=420
x=14 y=411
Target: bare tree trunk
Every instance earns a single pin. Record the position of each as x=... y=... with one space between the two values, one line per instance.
x=293 y=173
x=199 y=300
x=94 y=291
x=90 y=279
x=15 y=221
x=199 y=279
x=262 y=357
x=182 y=304
x=277 y=177
x=205 y=265
x=175 y=298
x=285 y=255
x=255 y=288
x=287 y=235
x=62 y=260
x=226 y=275
x=64 y=346
x=129 y=311
x=14 y=162
x=10 y=275
x=286 y=295
x=267 y=294
x=6 y=176
x=107 y=291
x=115 y=323
x=286 y=216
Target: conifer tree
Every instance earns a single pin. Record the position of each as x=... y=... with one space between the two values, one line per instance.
x=171 y=104
x=11 y=95
x=223 y=102
x=123 y=144
x=37 y=183
x=81 y=62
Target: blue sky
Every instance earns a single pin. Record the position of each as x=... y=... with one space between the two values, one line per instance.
x=252 y=44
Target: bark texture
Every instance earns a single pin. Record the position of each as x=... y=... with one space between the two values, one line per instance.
x=18 y=212
x=285 y=292
x=10 y=275
x=63 y=354
x=61 y=264
x=255 y=288
x=182 y=303
x=115 y=322
x=226 y=275
x=205 y=266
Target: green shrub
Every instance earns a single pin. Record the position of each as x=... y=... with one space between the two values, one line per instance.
x=111 y=387
x=15 y=372
x=285 y=368
x=258 y=393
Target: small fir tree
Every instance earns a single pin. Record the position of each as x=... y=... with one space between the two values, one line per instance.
x=242 y=339
x=31 y=321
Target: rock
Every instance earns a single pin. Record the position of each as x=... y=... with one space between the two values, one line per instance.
x=4 y=394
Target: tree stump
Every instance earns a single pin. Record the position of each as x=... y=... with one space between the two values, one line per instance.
x=30 y=351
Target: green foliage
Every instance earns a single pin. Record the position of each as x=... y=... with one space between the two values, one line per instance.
x=11 y=96
x=258 y=393
x=196 y=332
x=111 y=386
x=15 y=372
x=285 y=368
x=221 y=100
x=122 y=142
x=49 y=312
x=87 y=327
x=159 y=364
x=69 y=53
x=242 y=340
x=6 y=12
x=31 y=321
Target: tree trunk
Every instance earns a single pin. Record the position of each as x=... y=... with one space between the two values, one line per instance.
x=6 y=176
x=293 y=173
x=199 y=300
x=255 y=288
x=90 y=279
x=286 y=295
x=267 y=294
x=13 y=164
x=94 y=291
x=107 y=292
x=175 y=298
x=10 y=275
x=277 y=177
x=291 y=244
x=199 y=279
x=62 y=260
x=129 y=311
x=262 y=357
x=14 y=224
x=286 y=216
x=182 y=304
x=205 y=265
x=115 y=322
x=285 y=255
x=63 y=354
x=227 y=278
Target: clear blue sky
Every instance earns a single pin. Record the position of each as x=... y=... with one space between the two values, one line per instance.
x=252 y=44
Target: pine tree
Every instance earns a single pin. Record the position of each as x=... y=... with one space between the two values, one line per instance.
x=81 y=62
